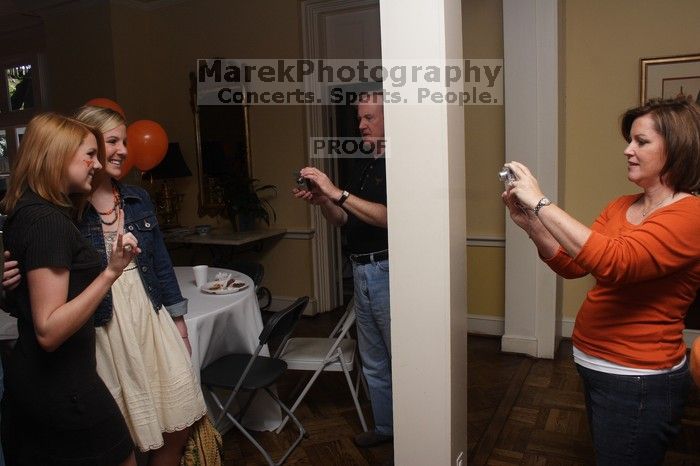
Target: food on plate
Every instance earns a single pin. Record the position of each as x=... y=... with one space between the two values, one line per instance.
x=224 y=281
x=233 y=283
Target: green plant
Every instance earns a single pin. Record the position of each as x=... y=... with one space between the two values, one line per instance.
x=246 y=201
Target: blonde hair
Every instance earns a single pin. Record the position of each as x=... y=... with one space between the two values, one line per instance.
x=104 y=119
x=48 y=146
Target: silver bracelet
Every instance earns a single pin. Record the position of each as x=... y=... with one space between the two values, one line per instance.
x=544 y=202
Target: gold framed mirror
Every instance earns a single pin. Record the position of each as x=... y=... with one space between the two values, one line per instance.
x=222 y=140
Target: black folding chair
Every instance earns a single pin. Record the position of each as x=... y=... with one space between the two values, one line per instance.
x=252 y=372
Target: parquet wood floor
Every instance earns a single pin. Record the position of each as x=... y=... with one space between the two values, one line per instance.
x=521 y=411
x=546 y=420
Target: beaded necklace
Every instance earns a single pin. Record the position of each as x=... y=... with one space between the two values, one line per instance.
x=113 y=211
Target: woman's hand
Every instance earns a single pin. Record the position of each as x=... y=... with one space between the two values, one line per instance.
x=549 y=232
x=11 y=275
x=520 y=215
x=525 y=188
x=123 y=251
x=182 y=329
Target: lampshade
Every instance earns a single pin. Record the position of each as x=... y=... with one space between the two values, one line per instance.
x=173 y=165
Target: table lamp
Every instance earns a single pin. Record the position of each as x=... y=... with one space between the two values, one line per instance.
x=168 y=199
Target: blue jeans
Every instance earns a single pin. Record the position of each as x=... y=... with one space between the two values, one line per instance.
x=633 y=419
x=374 y=338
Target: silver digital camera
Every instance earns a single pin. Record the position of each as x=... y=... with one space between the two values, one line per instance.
x=506 y=175
x=303 y=183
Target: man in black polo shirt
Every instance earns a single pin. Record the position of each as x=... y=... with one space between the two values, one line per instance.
x=361 y=209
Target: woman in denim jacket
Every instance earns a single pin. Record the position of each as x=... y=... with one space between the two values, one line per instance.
x=153 y=264
x=142 y=347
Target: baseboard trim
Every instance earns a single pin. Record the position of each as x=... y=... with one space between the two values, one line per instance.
x=519 y=344
x=494 y=325
x=689 y=335
x=566 y=327
x=485 y=325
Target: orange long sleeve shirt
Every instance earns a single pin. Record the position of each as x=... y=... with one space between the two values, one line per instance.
x=646 y=275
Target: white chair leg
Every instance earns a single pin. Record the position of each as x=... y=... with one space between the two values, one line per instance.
x=300 y=398
x=361 y=378
x=354 y=394
x=303 y=380
x=244 y=431
x=300 y=427
x=252 y=440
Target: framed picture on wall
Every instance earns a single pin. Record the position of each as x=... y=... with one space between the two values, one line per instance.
x=670 y=77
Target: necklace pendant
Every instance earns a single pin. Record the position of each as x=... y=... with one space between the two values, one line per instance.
x=653 y=208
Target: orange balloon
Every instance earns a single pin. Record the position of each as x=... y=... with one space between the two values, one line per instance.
x=127 y=165
x=147 y=143
x=106 y=103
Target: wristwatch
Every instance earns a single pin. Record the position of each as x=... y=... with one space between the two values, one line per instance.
x=343 y=198
x=544 y=202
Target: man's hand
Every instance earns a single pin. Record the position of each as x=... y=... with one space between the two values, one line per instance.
x=322 y=185
x=310 y=197
x=322 y=194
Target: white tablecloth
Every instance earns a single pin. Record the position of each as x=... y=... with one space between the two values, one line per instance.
x=8 y=326
x=223 y=324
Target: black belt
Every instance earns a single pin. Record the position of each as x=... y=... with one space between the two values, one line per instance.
x=370 y=257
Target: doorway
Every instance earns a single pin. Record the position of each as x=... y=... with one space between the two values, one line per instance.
x=342 y=30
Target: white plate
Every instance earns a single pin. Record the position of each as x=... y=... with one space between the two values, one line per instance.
x=206 y=288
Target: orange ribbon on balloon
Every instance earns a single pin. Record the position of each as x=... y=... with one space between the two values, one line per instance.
x=147 y=144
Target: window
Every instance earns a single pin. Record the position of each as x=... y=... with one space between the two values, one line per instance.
x=20 y=100
x=19 y=87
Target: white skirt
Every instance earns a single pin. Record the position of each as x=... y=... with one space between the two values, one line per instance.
x=144 y=363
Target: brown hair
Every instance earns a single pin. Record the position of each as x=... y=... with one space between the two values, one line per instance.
x=678 y=122
x=48 y=146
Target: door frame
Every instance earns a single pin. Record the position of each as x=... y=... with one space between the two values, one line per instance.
x=325 y=245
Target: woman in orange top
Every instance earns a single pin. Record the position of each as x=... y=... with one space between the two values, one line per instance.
x=644 y=252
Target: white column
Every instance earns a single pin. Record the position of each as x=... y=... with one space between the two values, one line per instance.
x=531 y=61
x=427 y=224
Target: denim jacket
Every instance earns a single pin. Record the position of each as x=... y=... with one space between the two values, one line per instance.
x=154 y=265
